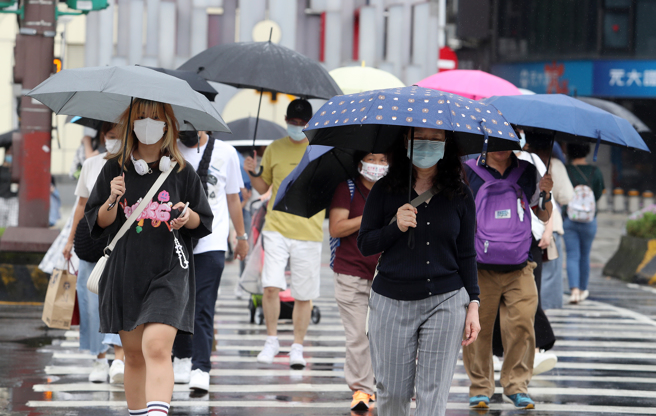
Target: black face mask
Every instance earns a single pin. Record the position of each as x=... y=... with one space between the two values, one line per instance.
x=188 y=138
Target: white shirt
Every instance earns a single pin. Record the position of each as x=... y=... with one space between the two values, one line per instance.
x=224 y=177
x=537 y=226
x=89 y=174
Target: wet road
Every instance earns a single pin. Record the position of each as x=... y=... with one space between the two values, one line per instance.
x=606 y=348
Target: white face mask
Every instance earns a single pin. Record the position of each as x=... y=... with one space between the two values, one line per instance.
x=522 y=139
x=296 y=133
x=149 y=131
x=112 y=145
x=373 y=172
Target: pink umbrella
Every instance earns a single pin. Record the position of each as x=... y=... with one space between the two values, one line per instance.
x=470 y=83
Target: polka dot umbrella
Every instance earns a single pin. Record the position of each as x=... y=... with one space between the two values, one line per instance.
x=371 y=121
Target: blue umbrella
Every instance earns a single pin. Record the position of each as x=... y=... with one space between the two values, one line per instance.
x=309 y=188
x=371 y=121
x=570 y=119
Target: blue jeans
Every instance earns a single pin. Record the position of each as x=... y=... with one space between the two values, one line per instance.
x=90 y=337
x=578 y=244
x=551 y=293
x=208 y=268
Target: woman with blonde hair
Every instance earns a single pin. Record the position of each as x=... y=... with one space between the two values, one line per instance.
x=146 y=292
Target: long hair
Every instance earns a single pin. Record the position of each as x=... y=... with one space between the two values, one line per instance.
x=150 y=108
x=450 y=173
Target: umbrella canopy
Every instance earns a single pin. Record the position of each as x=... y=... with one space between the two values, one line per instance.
x=570 y=119
x=6 y=139
x=469 y=83
x=195 y=81
x=264 y=66
x=103 y=93
x=86 y=122
x=372 y=121
x=356 y=79
x=311 y=185
x=619 y=111
x=244 y=128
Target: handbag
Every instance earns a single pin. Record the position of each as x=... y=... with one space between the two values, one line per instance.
x=60 y=302
x=94 y=278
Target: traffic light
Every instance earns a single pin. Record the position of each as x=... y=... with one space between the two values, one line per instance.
x=87 y=5
x=57 y=65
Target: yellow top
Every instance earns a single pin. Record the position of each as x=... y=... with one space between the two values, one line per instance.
x=278 y=161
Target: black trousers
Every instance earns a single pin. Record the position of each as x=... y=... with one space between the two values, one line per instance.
x=209 y=268
x=544 y=335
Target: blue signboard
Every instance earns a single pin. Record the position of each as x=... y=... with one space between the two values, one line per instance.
x=625 y=78
x=549 y=77
x=586 y=78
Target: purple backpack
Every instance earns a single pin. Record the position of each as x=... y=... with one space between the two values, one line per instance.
x=503 y=217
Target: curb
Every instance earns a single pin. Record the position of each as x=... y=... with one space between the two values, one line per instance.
x=22 y=284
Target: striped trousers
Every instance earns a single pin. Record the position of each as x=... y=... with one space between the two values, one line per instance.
x=415 y=343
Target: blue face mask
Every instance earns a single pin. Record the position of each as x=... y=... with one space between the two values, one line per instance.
x=427 y=153
x=522 y=140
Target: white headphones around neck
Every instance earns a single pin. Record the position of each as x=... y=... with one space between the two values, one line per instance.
x=142 y=168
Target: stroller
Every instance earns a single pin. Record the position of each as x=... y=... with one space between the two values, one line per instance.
x=251 y=278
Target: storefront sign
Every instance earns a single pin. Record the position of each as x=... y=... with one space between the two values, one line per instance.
x=596 y=78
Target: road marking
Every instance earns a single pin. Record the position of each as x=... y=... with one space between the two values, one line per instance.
x=262 y=337
x=57 y=370
x=541 y=407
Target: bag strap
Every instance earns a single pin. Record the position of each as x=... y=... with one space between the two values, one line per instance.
x=204 y=165
x=480 y=170
x=583 y=174
x=142 y=205
x=421 y=199
x=351 y=186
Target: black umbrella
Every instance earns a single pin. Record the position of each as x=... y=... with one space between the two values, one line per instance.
x=310 y=187
x=7 y=138
x=243 y=130
x=264 y=66
x=619 y=111
x=86 y=122
x=195 y=81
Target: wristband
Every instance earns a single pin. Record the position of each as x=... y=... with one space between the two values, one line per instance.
x=243 y=237
x=478 y=302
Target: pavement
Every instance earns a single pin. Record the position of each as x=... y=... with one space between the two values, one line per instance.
x=606 y=348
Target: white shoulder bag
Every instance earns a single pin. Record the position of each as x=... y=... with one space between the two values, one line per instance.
x=94 y=278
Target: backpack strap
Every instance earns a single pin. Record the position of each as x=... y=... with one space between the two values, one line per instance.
x=480 y=170
x=518 y=171
x=351 y=186
x=587 y=180
x=204 y=165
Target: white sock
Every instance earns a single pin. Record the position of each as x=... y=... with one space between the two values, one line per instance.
x=272 y=338
x=117 y=360
x=298 y=346
x=102 y=360
x=158 y=408
x=140 y=412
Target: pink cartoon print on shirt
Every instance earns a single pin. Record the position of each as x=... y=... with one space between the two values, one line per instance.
x=157 y=212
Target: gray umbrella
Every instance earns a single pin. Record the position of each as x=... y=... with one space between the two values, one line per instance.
x=103 y=93
x=244 y=128
x=619 y=111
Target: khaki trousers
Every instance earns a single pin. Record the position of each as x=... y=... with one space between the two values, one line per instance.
x=515 y=295
x=352 y=295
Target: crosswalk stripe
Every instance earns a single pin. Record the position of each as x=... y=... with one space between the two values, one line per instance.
x=556 y=408
x=327 y=388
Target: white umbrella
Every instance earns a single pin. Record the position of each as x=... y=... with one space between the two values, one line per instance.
x=104 y=93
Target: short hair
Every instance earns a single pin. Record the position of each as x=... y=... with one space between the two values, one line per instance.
x=577 y=150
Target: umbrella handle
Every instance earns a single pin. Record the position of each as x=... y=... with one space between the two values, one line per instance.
x=258 y=173
x=125 y=145
x=542 y=204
